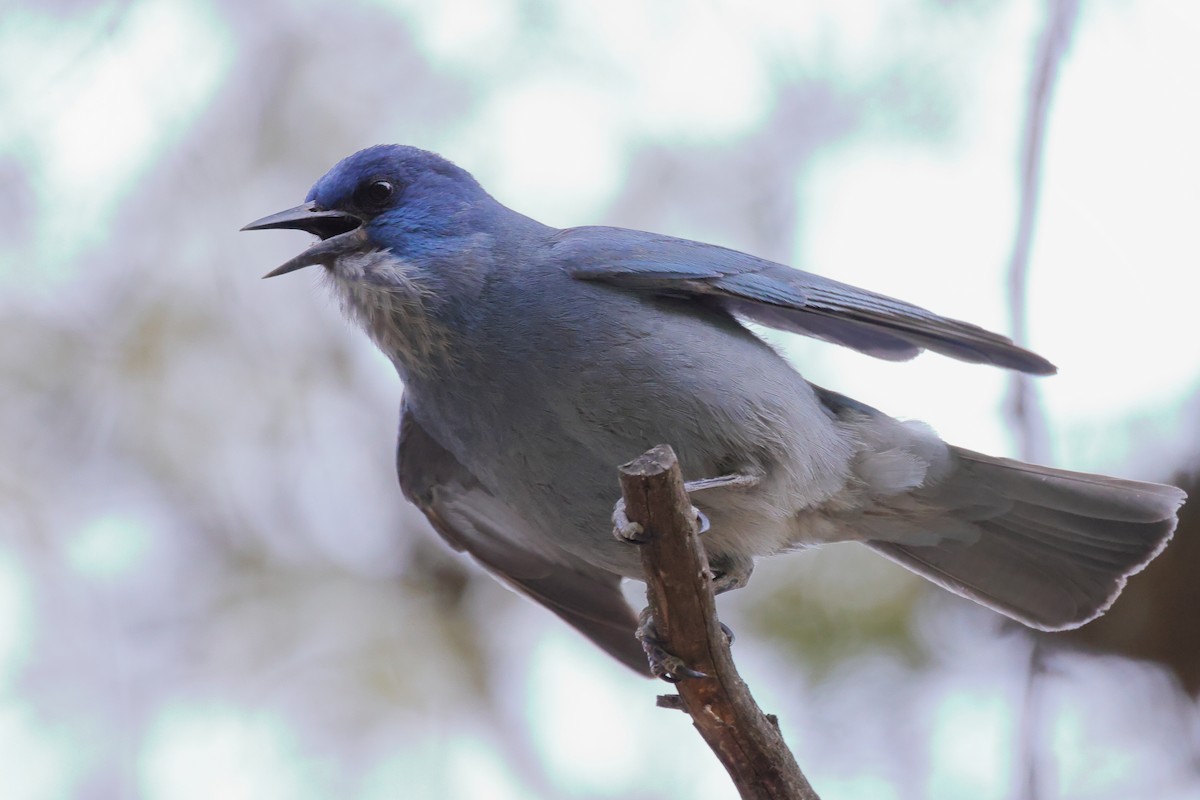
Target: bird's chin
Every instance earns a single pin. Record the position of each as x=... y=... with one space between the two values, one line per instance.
x=325 y=252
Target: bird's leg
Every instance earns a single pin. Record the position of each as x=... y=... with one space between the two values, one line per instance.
x=663 y=663
x=737 y=480
x=627 y=530
x=729 y=571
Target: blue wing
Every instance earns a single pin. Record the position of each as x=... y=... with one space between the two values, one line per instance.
x=780 y=297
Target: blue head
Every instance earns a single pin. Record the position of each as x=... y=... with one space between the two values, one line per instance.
x=405 y=197
x=400 y=233
x=390 y=197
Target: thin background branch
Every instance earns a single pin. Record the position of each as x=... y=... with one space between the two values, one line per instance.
x=1025 y=411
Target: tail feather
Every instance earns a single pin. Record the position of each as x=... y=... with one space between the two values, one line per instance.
x=1057 y=553
x=1094 y=496
x=1108 y=542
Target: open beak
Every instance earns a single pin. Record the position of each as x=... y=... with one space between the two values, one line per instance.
x=340 y=233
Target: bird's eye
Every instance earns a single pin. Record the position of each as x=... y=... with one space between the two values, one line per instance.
x=374 y=195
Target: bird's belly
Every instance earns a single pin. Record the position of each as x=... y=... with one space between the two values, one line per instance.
x=547 y=430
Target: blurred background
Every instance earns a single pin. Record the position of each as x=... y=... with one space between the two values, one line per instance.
x=210 y=585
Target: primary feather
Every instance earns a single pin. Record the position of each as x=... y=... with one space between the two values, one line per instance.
x=782 y=297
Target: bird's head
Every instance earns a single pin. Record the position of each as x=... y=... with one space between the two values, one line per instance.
x=405 y=237
x=409 y=202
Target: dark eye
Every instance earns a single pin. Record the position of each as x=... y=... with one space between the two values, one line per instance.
x=374 y=195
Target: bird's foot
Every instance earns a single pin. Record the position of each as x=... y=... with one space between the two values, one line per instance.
x=626 y=530
x=663 y=663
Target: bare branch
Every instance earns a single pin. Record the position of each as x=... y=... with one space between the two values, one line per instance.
x=679 y=590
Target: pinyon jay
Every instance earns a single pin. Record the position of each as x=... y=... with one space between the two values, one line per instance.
x=535 y=360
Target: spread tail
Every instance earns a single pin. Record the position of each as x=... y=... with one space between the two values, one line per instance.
x=1053 y=549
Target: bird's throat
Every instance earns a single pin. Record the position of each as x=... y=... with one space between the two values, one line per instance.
x=387 y=297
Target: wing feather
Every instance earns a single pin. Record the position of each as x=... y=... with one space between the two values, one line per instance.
x=781 y=297
x=473 y=520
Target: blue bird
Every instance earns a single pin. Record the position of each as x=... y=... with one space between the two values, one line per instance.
x=536 y=360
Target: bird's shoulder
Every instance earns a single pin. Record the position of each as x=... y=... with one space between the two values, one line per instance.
x=594 y=251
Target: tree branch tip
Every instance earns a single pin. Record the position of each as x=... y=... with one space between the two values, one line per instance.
x=747 y=742
x=654 y=461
